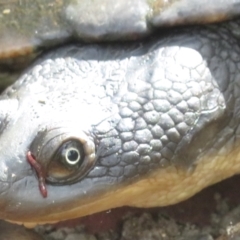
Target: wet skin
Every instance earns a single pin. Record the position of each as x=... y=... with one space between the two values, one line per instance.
x=142 y=124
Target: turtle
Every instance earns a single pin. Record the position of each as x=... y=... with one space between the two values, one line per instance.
x=122 y=117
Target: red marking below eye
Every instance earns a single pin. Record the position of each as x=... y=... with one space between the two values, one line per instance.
x=41 y=176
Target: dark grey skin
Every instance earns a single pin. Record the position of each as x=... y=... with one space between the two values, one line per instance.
x=143 y=106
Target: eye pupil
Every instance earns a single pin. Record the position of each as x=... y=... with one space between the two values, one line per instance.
x=72 y=156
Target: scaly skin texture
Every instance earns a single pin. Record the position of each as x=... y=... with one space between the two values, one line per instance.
x=158 y=121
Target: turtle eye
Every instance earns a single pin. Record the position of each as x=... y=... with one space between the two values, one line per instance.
x=71 y=154
x=64 y=156
x=66 y=162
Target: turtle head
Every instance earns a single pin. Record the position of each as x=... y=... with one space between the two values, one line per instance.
x=96 y=127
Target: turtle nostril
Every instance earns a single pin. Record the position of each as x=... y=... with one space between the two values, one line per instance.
x=7 y=108
x=3 y=123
